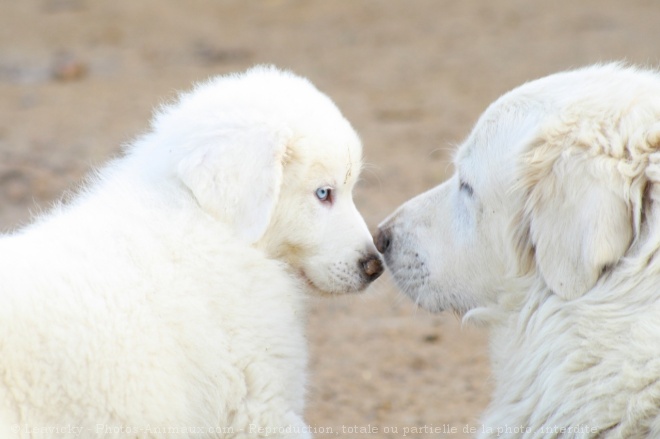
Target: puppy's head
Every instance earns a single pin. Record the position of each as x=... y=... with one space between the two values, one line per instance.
x=555 y=185
x=270 y=156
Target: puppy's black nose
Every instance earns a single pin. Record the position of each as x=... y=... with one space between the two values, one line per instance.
x=372 y=267
x=382 y=240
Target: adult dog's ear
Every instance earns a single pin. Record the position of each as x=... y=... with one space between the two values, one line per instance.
x=579 y=223
x=235 y=175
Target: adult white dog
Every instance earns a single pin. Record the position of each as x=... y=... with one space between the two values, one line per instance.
x=548 y=232
x=168 y=298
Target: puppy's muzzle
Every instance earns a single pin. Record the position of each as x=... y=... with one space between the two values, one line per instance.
x=372 y=267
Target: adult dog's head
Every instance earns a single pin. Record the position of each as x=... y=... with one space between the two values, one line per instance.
x=271 y=157
x=555 y=184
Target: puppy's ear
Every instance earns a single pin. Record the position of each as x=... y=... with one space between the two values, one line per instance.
x=579 y=223
x=236 y=176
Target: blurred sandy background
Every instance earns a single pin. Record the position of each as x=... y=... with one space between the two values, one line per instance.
x=80 y=77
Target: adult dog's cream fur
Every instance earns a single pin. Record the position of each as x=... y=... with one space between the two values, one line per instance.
x=167 y=298
x=549 y=232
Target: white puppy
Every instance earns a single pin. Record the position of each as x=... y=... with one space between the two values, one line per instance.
x=548 y=233
x=167 y=299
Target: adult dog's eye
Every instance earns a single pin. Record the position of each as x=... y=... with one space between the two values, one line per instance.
x=323 y=193
x=466 y=188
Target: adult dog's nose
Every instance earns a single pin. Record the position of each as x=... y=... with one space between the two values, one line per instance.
x=372 y=267
x=382 y=240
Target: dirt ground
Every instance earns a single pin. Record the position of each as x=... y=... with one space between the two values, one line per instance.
x=80 y=77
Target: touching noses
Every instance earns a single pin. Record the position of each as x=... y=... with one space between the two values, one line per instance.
x=372 y=264
x=372 y=267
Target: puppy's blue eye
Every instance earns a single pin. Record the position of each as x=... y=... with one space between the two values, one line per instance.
x=323 y=193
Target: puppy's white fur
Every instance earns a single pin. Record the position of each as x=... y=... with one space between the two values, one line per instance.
x=167 y=299
x=548 y=232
